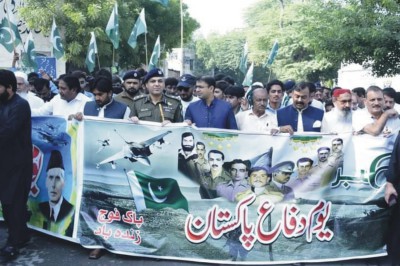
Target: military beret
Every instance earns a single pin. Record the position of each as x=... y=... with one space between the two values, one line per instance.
x=133 y=74
x=155 y=72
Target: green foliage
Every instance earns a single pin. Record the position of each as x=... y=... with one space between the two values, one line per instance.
x=76 y=19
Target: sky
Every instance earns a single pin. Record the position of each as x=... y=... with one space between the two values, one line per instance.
x=218 y=15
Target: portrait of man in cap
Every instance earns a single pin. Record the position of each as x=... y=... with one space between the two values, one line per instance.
x=57 y=207
x=281 y=174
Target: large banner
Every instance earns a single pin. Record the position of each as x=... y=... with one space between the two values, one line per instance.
x=178 y=192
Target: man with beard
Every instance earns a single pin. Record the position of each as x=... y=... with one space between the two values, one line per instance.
x=374 y=120
x=68 y=102
x=339 y=119
x=187 y=156
x=209 y=180
x=186 y=85
x=300 y=116
x=15 y=165
x=23 y=90
x=257 y=119
x=131 y=88
x=104 y=105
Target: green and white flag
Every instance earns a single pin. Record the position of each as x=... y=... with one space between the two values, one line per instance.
x=9 y=33
x=272 y=54
x=91 y=54
x=112 y=29
x=163 y=2
x=155 y=55
x=58 y=48
x=139 y=28
x=243 y=59
x=248 y=79
x=155 y=193
x=29 y=55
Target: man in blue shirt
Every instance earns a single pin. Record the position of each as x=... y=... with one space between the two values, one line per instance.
x=300 y=116
x=209 y=111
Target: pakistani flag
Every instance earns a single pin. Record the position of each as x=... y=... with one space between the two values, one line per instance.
x=155 y=55
x=91 y=54
x=112 y=27
x=248 y=79
x=243 y=59
x=29 y=55
x=140 y=27
x=155 y=193
x=163 y=2
x=58 y=48
x=9 y=34
x=272 y=54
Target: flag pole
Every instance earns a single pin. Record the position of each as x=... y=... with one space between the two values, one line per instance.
x=98 y=60
x=182 y=53
x=145 y=45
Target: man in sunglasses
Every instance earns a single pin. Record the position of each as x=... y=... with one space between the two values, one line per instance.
x=185 y=87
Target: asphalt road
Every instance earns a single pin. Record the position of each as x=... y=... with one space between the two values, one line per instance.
x=47 y=250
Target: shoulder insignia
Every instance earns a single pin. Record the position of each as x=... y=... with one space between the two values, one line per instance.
x=139 y=97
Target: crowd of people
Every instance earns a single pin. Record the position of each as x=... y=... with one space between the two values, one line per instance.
x=205 y=102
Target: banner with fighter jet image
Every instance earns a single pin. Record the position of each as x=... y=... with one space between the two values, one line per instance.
x=178 y=192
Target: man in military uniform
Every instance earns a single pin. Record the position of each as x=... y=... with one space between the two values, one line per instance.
x=156 y=106
x=132 y=86
x=281 y=173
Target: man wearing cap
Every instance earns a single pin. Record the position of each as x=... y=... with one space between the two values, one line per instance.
x=239 y=171
x=15 y=165
x=209 y=111
x=257 y=119
x=322 y=173
x=373 y=120
x=300 y=117
x=259 y=182
x=339 y=119
x=57 y=207
x=234 y=96
x=23 y=90
x=217 y=174
x=131 y=88
x=156 y=107
x=281 y=173
x=186 y=85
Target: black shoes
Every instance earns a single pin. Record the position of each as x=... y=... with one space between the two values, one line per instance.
x=8 y=253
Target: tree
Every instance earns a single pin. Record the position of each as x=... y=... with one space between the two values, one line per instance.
x=76 y=19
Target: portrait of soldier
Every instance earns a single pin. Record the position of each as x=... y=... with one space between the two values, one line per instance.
x=187 y=156
x=259 y=180
x=217 y=174
x=239 y=171
x=281 y=174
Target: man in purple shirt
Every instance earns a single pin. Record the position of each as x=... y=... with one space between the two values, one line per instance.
x=239 y=171
x=209 y=112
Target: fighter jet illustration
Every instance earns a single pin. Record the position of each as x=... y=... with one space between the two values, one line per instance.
x=134 y=151
x=59 y=139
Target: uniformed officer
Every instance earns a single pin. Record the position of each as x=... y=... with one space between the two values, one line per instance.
x=156 y=106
